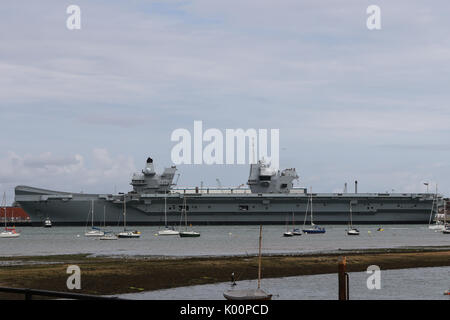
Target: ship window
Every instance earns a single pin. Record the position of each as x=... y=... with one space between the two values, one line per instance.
x=243 y=207
x=284 y=185
x=181 y=208
x=264 y=178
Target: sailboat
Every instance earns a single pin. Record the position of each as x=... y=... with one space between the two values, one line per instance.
x=109 y=235
x=295 y=231
x=8 y=232
x=94 y=232
x=446 y=225
x=250 y=294
x=125 y=233
x=167 y=231
x=351 y=230
x=288 y=233
x=314 y=228
x=438 y=225
x=186 y=233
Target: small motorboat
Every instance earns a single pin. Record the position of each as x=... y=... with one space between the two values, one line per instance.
x=47 y=223
x=380 y=229
x=288 y=234
x=353 y=232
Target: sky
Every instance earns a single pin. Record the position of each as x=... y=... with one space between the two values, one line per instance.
x=81 y=110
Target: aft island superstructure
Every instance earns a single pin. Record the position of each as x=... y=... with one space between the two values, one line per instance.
x=269 y=199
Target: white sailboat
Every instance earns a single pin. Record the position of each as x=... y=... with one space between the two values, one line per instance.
x=8 y=232
x=167 y=231
x=287 y=233
x=94 y=232
x=438 y=225
x=250 y=294
x=446 y=225
x=126 y=233
x=314 y=229
x=351 y=230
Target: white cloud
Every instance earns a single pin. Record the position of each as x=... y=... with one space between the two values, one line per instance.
x=98 y=172
x=138 y=70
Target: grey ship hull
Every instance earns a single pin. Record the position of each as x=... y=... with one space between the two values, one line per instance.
x=228 y=208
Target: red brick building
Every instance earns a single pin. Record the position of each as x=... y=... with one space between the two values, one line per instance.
x=16 y=213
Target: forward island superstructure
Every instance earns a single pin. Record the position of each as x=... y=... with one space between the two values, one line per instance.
x=270 y=197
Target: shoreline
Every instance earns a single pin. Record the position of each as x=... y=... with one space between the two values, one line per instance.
x=130 y=274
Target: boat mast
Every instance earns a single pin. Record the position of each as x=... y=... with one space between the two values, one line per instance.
x=92 y=206
x=312 y=223
x=185 y=213
x=435 y=201
x=445 y=213
x=165 y=209
x=351 y=220
x=124 y=214
x=4 y=206
x=293 y=222
x=259 y=259
x=307 y=208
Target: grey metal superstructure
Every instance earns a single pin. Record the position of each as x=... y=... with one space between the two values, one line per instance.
x=270 y=198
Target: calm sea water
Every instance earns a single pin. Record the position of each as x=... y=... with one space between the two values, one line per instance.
x=217 y=241
x=411 y=284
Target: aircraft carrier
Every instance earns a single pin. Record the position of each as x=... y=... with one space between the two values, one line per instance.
x=269 y=199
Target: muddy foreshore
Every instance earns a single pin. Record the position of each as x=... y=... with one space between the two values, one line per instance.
x=116 y=275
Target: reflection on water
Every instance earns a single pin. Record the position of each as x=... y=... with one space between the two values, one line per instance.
x=216 y=240
x=414 y=284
